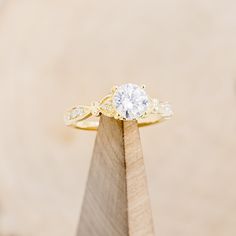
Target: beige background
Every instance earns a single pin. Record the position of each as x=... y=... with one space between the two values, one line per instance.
x=54 y=54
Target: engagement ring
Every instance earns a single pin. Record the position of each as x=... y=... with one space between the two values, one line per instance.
x=125 y=102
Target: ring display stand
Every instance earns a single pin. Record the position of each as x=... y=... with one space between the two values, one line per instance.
x=116 y=201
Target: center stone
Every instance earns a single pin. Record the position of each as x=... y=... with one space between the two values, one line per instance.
x=130 y=101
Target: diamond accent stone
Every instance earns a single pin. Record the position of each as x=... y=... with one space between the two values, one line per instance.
x=130 y=101
x=106 y=107
x=95 y=108
x=155 y=106
x=77 y=111
x=165 y=109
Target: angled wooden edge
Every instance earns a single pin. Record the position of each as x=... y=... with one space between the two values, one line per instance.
x=116 y=201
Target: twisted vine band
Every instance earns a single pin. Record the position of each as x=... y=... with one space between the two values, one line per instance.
x=125 y=102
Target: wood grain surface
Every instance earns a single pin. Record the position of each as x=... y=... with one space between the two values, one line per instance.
x=116 y=200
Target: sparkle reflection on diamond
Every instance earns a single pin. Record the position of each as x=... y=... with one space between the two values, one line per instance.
x=130 y=101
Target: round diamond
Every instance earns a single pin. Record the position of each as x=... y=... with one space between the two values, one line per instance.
x=130 y=101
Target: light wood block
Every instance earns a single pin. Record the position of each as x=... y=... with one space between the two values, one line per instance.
x=116 y=201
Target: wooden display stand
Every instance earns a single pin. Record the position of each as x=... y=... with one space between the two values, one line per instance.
x=116 y=201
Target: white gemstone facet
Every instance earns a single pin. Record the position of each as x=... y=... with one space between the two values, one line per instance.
x=130 y=101
x=77 y=111
x=155 y=106
x=165 y=109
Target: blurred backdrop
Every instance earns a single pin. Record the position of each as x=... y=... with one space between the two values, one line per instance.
x=56 y=54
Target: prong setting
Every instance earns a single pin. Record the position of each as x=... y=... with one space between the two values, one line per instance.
x=114 y=88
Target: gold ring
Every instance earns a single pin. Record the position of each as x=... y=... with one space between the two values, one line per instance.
x=125 y=102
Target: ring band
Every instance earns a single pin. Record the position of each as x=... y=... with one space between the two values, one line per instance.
x=126 y=102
